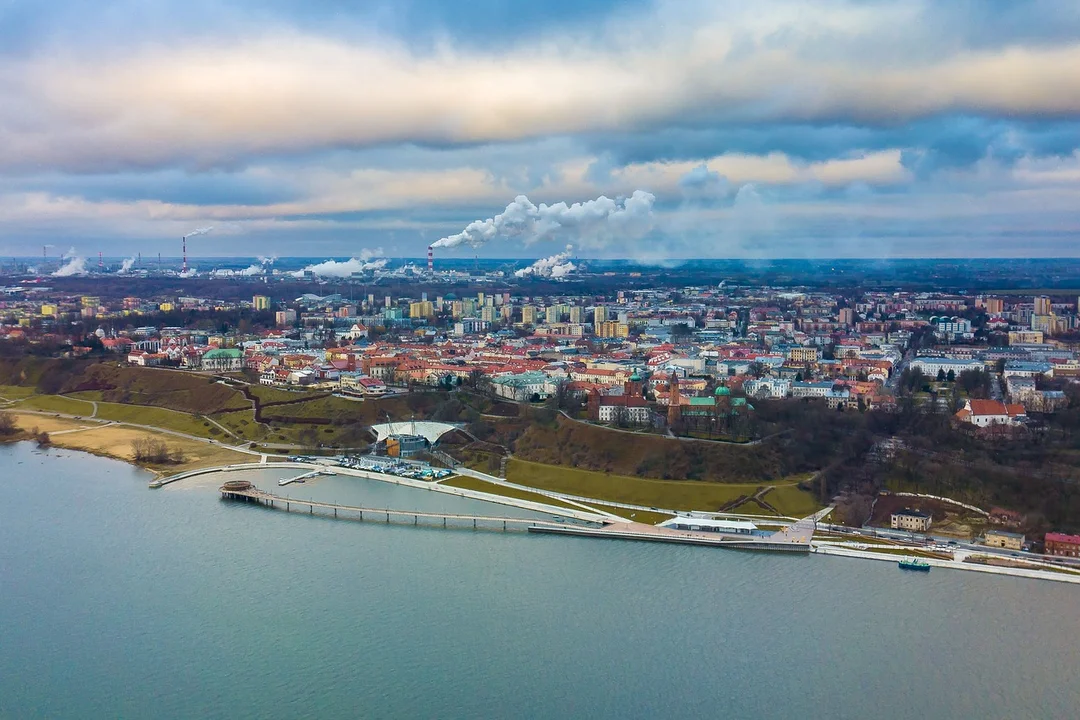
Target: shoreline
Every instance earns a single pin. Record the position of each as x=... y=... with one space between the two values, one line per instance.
x=200 y=466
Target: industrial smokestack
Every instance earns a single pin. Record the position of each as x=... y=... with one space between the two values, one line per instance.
x=100 y=262
x=184 y=270
x=430 y=259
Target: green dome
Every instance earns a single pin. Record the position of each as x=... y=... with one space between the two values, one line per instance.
x=722 y=391
x=635 y=377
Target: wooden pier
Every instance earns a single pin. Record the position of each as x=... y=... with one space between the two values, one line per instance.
x=244 y=491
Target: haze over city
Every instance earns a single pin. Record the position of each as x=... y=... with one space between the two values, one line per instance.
x=669 y=129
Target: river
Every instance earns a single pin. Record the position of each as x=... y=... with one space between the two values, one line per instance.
x=119 y=601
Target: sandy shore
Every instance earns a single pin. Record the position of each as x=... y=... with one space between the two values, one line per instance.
x=115 y=441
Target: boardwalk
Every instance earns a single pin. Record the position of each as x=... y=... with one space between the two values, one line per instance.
x=410 y=517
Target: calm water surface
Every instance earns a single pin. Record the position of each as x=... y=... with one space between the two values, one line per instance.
x=119 y=601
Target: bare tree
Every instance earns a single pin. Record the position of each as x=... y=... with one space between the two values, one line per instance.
x=7 y=424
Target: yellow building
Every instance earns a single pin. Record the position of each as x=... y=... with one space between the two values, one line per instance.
x=803 y=354
x=611 y=328
x=528 y=314
x=50 y=310
x=90 y=301
x=1018 y=337
x=260 y=302
x=166 y=307
x=599 y=315
x=1002 y=539
x=422 y=309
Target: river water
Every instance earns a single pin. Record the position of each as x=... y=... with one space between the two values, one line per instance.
x=119 y=601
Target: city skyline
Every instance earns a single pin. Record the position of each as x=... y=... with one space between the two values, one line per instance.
x=776 y=130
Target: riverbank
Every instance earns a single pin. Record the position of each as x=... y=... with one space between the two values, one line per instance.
x=115 y=440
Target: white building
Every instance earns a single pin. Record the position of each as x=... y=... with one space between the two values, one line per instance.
x=931 y=365
x=767 y=388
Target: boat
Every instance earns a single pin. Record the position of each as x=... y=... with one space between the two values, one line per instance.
x=912 y=563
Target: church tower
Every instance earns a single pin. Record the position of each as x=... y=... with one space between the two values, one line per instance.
x=674 y=411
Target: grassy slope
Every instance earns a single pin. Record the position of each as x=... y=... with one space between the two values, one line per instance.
x=579 y=445
x=676 y=495
x=159 y=417
x=642 y=516
x=57 y=404
x=172 y=389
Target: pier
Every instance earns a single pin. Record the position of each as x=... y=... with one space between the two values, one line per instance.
x=243 y=491
x=305 y=476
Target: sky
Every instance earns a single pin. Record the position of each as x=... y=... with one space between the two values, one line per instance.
x=632 y=129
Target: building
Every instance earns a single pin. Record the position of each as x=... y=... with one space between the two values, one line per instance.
x=930 y=366
x=599 y=315
x=1062 y=545
x=910 y=520
x=222 y=360
x=612 y=329
x=1042 y=305
x=983 y=413
x=846 y=316
x=285 y=318
x=523 y=387
x=260 y=302
x=800 y=354
x=423 y=309
x=624 y=409
x=1003 y=539
x=1023 y=337
x=528 y=315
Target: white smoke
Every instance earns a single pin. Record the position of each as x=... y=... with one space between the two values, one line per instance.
x=200 y=231
x=125 y=267
x=596 y=221
x=555 y=266
x=75 y=265
x=363 y=262
x=263 y=267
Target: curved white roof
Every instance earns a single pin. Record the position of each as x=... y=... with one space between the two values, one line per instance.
x=430 y=430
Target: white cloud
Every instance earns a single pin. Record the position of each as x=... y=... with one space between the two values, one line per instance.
x=218 y=101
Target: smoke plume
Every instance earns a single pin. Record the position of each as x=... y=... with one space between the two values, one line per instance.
x=75 y=265
x=200 y=231
x=125 y=267
x=556 y=266
x=363 y=262
x=595 y=221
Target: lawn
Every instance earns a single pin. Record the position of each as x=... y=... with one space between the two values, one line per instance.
x=57 y=404
x=471 y=483
x=670 y=494
x=15 y=392
x=642 y=516
x=792 y=501
x=161 y=418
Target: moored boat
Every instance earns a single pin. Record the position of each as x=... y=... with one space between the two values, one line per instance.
x=912 y=563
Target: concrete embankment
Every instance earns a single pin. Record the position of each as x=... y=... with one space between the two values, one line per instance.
x=406 y=482
x=829 y=549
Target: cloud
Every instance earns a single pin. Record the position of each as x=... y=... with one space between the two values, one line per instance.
x=702 y=184
x=211 y=102
x=594 y=221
